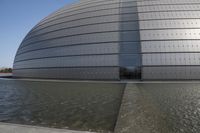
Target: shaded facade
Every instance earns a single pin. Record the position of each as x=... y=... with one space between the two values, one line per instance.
x=116 y=39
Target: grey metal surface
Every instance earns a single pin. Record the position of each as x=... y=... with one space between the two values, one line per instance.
x=134 y=37
x=170 y=34
x=80 y=41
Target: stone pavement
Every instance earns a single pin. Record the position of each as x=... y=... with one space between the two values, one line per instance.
x=138 y=114
x=15 y=128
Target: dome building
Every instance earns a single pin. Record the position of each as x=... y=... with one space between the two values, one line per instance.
x=113 y=40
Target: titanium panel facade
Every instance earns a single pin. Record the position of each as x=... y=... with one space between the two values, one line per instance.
x=81 y=41
x=169 y=35
x=114 y=39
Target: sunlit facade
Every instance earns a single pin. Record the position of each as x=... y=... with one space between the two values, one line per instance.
x=114 y=39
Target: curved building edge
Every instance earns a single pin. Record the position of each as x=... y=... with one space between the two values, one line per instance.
x=118 y=39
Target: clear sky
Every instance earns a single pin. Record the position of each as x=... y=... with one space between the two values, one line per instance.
x=17 y=17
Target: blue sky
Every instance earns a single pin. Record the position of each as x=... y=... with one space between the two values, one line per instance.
x=17 y=17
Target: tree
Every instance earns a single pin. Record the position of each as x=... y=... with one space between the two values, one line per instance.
x=6 y=70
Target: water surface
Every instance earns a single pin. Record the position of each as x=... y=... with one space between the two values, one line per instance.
x=148 y=107
x=177 y=105
x=79 y=106
x=160 y=108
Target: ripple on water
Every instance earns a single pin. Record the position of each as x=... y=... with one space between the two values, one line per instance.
x=179 y=102
x=82 y=106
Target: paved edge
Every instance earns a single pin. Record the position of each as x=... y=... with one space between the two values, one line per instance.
x=17 y=128
x=102 y=81
x=122 y=126
x=139 y=114
x=5 y=75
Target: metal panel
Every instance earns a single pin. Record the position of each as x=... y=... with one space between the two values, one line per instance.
x=76 y=42
x=81 y=61
x=169 y=32
x=83 y=16
x=106 y=27
x=171 y=46
x=104 y=39
x=169 y=15
x=102 y=73
x=166 y=59
x=159 y=2
x=171 y=73
x=175 y=34
x=94 y=49
x=169 y=7
x=77 y=23
x=170 y=24
x=80 y=8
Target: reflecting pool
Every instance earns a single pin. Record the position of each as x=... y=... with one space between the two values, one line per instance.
x=79 y=106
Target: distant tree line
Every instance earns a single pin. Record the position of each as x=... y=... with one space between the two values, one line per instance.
x=5 y=70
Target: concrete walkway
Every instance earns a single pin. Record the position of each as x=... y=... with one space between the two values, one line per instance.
x=5 y=75
x=138 y=113
x=15 y=128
